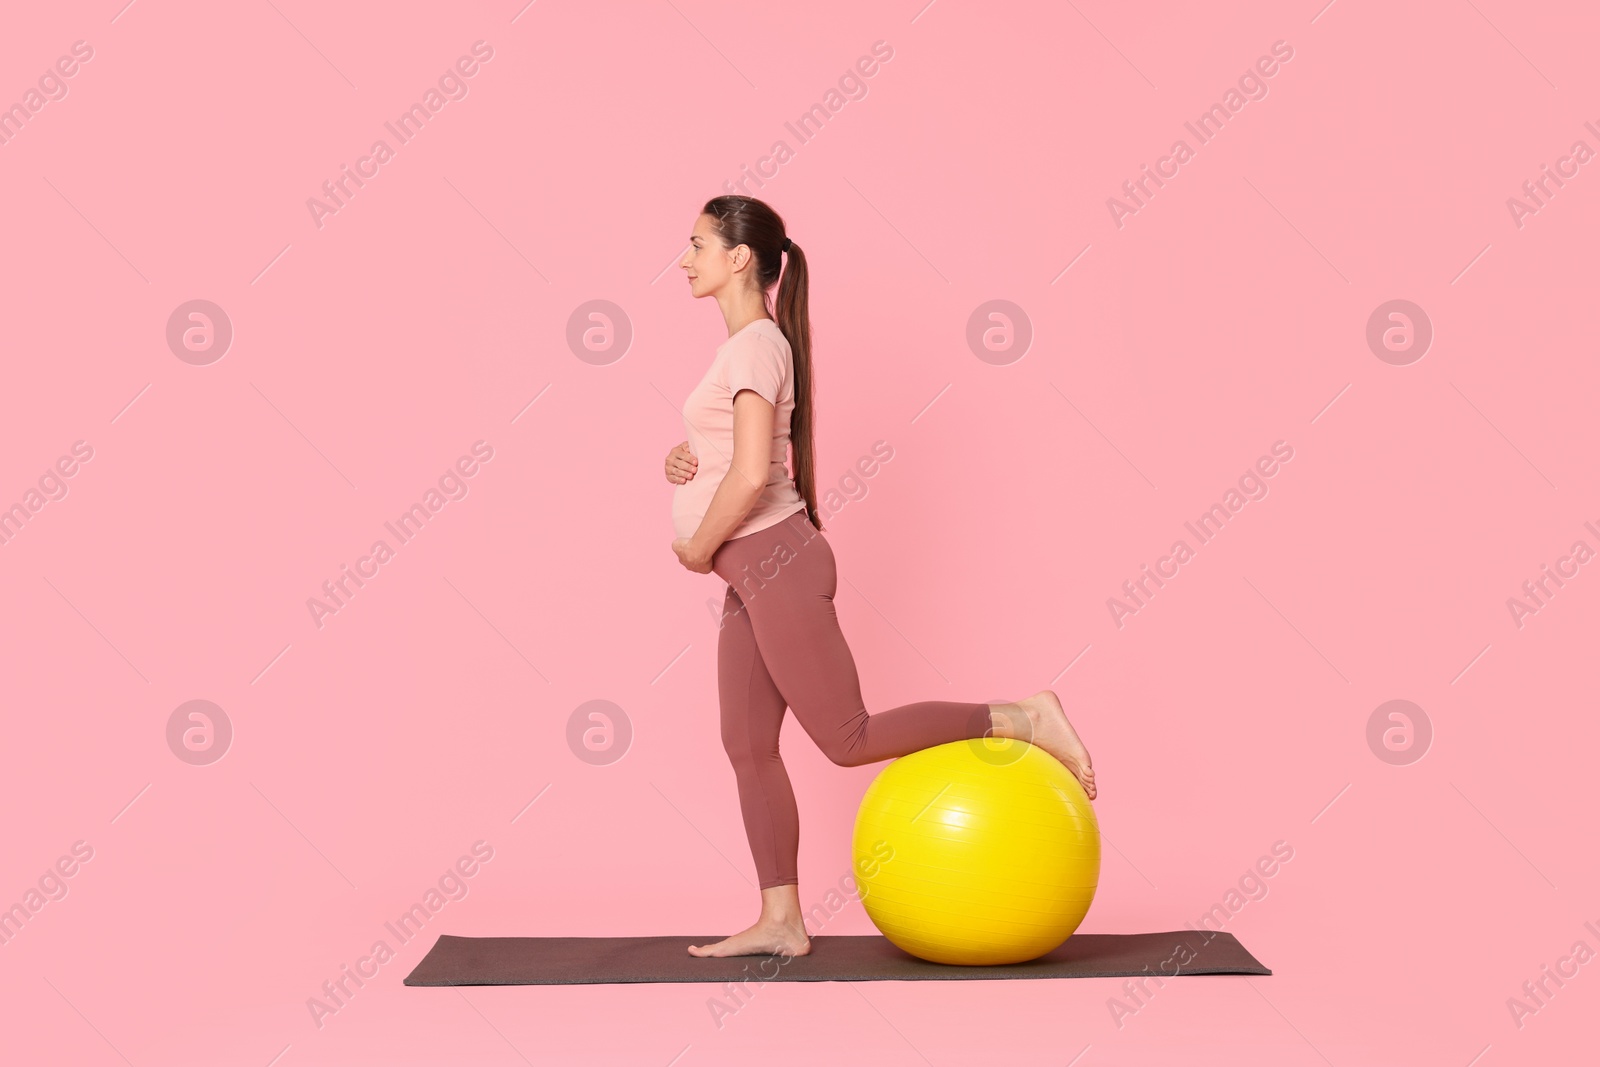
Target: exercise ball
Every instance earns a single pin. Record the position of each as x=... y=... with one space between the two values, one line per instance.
x=976 y=852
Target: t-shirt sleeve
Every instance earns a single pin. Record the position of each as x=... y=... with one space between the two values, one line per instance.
x=756 y=364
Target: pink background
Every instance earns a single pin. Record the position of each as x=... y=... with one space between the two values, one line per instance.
x=369 y=354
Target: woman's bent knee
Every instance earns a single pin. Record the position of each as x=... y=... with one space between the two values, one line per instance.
x=844 y=755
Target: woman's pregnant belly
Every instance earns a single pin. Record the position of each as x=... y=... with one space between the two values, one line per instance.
x=691 y=501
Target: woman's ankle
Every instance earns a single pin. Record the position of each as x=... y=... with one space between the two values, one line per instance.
x=781 y=904
x=1010 y=720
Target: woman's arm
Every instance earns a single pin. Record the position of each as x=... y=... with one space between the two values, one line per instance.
x=753 y=419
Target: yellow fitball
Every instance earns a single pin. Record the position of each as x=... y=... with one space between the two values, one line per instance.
x=976 y=852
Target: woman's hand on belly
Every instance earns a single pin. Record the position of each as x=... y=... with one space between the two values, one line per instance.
x=688 y=557
x=681 y=464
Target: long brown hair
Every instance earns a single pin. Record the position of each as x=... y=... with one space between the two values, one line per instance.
x=744 y=220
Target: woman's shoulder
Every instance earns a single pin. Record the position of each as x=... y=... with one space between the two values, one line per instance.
x=760 y=338
x=757 y=357
x=756 y=330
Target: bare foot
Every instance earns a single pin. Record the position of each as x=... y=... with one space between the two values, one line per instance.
x=766 y=937
x=1054 y=733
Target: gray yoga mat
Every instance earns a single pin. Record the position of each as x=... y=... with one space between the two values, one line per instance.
x=833 y=958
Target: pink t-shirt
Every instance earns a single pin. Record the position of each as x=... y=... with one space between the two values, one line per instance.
x=756 y=357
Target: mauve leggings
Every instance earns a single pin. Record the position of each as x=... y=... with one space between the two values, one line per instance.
x=780 y=646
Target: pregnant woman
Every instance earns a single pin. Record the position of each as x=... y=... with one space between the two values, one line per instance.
x=738 y=512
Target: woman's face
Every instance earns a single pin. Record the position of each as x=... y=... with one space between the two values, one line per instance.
x=708 y=265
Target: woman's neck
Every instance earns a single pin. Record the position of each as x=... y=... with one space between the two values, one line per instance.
x=743 y=314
